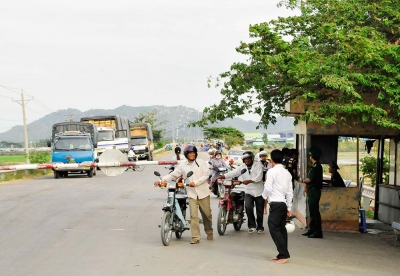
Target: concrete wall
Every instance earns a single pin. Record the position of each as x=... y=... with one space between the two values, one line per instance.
x=389 y=195
x=338 y=207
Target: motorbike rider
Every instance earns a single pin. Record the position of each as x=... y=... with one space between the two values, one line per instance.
x=178 y=156
x=231 y=166
x=131 y=156
x=217 y=163
x=254 y=188
x=197 y=191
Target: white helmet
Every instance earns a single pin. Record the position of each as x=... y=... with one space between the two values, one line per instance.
x=290 y=226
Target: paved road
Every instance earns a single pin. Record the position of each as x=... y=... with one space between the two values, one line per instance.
x=109 y=226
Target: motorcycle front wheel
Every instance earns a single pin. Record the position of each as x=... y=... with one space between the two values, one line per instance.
x=237 y=225
x=166 y=231
x=139 y=168
x=221 y=220
x=178 y=234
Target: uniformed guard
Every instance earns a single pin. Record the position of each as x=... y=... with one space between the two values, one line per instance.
x=313 y=191
x=291 y=165
x=336 y=178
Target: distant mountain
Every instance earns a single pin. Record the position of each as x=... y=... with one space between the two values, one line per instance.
x=177 y=116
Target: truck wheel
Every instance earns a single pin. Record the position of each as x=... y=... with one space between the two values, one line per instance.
x=56 y=174
x=90 y=173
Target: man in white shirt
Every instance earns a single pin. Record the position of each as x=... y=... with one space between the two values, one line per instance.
x=254 y=189
x=198 y=191
x=279 y=193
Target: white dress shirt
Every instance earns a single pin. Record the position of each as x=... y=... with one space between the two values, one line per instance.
x=256 y=173
x=278 y=186
x=199 y=177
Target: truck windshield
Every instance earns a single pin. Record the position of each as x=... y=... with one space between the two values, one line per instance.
x=138 y=141
x=73 y=143
x=105 y=135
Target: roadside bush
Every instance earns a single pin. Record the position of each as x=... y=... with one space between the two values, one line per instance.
x=39 y=157
x=368 y=169
x=159 y=145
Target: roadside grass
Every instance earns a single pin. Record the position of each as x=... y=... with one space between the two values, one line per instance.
x=24 y=174
x=12 y=159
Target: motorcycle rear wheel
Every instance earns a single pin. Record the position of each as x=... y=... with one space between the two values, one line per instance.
x=221 y=222
x=166 y=231
x=139 y=168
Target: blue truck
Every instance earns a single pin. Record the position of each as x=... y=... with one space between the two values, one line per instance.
x=73 y=142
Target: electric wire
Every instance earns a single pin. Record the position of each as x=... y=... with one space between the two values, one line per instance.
x=11 y=89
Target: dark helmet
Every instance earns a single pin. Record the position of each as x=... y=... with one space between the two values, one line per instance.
x=178 y=150
x=218 y=152
x=190 y=148
x=248 y=154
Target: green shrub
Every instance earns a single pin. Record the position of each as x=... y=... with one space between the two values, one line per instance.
x=39 y=157
x=368 y=169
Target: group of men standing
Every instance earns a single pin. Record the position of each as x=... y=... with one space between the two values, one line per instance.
x=268 y=182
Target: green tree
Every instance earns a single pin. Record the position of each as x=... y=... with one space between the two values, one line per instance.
x=337 y=59
x=265 y=138
x=368 y=169
x=230 y=135
x=150 y=117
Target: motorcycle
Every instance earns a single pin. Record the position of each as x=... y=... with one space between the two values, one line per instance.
x=219 y=185
x=231 y=206
x=137 y=168
x=174 y=209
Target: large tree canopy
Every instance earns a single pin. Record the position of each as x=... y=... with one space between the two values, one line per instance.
x=230 y=135
x=338 y=58
x=150 y=117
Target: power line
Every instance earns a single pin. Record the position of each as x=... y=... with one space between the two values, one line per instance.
x=5 y=96
x=8 y=120
x=34 y=111
x=41 y=104
x=11 y=89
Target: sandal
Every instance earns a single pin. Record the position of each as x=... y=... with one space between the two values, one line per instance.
x=193 y=241
x=252 y=230
x=260 y=232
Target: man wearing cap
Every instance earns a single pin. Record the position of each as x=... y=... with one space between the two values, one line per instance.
x=313 y=191
x=253 y=191
x=336 y=178
x=257 y=157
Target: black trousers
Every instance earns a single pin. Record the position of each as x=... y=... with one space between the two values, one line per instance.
x=313 y=197
x=277 y=229
x=249 y=202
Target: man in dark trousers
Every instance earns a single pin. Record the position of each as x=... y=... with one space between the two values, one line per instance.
x=279 y=193
x=313 y=191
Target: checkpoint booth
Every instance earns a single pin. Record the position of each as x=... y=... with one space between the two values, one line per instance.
x=340 y=207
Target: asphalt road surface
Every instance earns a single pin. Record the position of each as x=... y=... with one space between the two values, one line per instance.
x=109 y=226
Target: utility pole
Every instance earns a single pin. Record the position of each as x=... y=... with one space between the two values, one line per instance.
x=70 y=117
x=23 y=104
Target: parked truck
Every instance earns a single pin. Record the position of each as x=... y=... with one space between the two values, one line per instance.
x=142 y=140
x=73 y=142
x=113 y=132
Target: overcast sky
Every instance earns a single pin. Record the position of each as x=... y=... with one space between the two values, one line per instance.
x=89 y=54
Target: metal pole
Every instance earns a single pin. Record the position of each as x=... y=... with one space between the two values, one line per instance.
x=379 y=173
x=358 y=161
x=25 y=130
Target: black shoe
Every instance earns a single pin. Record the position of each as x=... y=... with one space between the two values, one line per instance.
x=306 y=234
x=316 y=236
